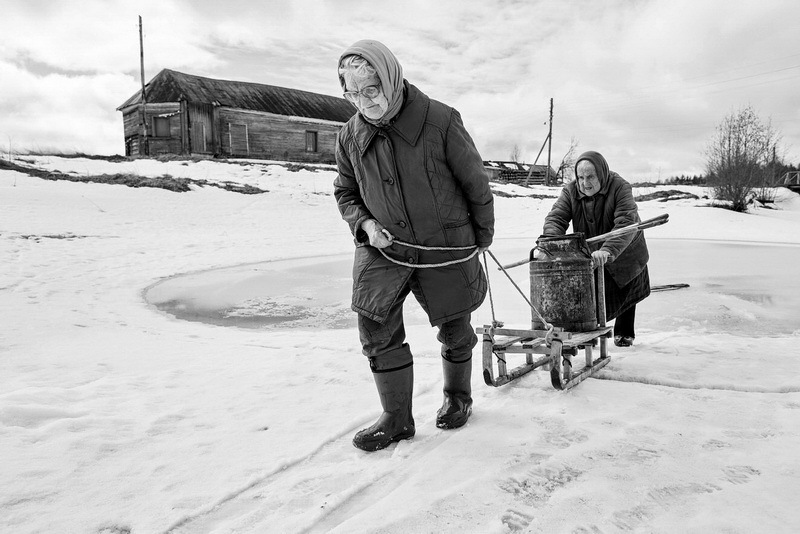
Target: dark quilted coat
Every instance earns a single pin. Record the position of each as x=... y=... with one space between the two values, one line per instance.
x=611 y=207
x=423 y=179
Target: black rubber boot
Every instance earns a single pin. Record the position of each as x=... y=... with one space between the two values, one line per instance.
x=457 y=405
x=396 y=422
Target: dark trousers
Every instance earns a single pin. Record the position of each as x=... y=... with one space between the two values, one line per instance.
x=623 y=326
x=385 y=346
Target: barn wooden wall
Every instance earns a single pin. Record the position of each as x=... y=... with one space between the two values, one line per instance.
x=254 y=134
x=131 y=123
x=275 y=137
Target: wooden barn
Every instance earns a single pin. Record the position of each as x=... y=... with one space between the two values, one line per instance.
x=193 y=115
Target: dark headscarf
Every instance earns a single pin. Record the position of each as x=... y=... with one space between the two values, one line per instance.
x=600 y=166
x=389 y=72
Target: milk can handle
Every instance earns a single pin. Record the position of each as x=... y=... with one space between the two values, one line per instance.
x=537 y=247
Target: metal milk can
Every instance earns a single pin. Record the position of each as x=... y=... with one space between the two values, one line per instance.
x=562 y=283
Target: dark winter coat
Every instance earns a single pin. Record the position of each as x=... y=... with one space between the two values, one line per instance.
x=611 y=207
x=422 y=178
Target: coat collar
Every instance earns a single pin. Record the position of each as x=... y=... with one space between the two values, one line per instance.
x=408 y=124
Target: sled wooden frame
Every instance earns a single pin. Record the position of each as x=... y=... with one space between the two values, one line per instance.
x=556 y=355
x=556 y=350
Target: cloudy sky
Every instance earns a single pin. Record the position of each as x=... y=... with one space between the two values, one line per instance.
x=643 y=81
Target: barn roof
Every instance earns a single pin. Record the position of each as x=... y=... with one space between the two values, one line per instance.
x=172 y=86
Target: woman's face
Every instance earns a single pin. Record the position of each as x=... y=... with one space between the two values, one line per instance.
x=588 y=182
x=373 y=108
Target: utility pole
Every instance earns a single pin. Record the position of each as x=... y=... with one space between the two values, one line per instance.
x=533 y=166
x=143 y=148
x=549 y=145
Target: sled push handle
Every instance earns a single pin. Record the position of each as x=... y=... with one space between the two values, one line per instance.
x=649 y=223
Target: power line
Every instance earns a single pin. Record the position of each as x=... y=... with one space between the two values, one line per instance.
x=676 y=91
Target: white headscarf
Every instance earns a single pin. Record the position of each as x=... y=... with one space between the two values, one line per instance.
x=389 y=72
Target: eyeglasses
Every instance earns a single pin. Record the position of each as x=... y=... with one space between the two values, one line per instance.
x=370 y=91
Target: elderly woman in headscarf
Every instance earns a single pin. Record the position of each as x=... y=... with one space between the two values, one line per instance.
x=596 y=202
x=412 y=187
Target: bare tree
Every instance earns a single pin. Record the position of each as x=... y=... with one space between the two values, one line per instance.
x=515 y=153
x=565 y=168
x=740 y=157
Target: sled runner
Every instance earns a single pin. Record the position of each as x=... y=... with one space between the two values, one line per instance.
x=567 y=301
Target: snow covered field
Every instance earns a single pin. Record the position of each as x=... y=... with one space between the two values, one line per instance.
x=116 y=417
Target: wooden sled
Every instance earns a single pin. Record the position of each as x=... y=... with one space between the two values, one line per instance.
x=553 y=350
x=555 y=354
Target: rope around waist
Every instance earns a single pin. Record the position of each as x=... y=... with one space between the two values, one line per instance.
x=473 y=248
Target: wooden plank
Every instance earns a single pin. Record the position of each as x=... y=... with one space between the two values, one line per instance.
x=523 y=349
x=557 y=333
x=532 y=344
x=501 y=342
x=585 y=337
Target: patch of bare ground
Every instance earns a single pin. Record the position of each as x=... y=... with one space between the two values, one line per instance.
x=663 y=196
x=168 y=182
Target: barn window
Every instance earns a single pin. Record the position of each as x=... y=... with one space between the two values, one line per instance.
x=161 y=126
x=311 y=141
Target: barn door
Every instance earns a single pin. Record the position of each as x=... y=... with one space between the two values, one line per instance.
x=237 y=137
x=200 y=130
x=199 y=143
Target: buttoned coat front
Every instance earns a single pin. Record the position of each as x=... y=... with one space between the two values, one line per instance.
x=423 y=179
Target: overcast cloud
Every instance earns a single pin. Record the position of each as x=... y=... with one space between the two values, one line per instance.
x=643 y=82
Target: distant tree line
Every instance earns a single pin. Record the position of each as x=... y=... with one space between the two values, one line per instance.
x=697 y=179
x=774 y=176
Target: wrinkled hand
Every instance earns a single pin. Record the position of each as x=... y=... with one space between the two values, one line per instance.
x=600 y=258
x=379 y=237
x=481 y=250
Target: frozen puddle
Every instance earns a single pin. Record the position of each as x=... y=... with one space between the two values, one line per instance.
x=307 y=292
x=739 y=288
